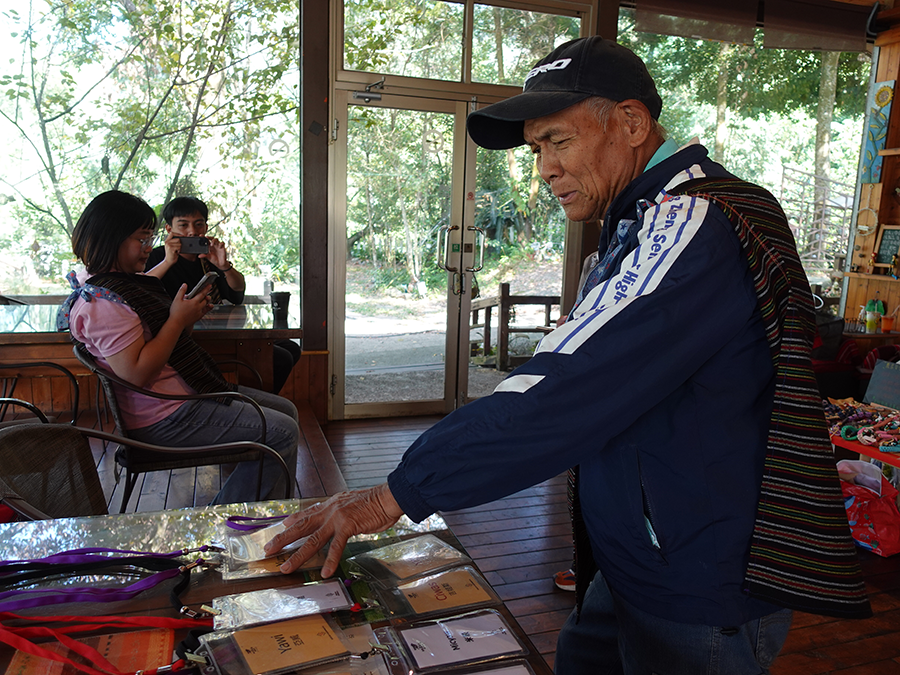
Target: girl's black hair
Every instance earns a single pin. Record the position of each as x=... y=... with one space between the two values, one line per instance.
x=105 y=223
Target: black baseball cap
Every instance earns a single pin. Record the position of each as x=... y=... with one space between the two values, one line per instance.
x=572 y=72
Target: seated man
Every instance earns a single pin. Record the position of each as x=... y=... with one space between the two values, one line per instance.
x=186 y=217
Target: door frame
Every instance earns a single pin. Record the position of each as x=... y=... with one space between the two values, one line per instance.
x=461 y=214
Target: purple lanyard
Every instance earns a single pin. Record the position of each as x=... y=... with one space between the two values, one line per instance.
x=251 y=523
x=83 y=555
x=59 y=562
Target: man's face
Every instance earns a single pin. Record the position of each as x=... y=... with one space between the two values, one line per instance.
x=585 y=166
x=191 y=225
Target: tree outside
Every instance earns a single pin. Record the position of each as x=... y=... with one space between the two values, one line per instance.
x=202 y=98
x=158 y=99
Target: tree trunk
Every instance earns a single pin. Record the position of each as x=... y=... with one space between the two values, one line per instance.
x=824 y=114
x=722 y=103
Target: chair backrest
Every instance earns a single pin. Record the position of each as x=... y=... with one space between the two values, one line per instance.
x=49 y=471
x=87 y=359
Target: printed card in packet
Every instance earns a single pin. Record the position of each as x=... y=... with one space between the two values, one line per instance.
x=276 y=604
x=408 y=559
x=478 y=636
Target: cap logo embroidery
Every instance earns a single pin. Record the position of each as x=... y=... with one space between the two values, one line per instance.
x=559 y=64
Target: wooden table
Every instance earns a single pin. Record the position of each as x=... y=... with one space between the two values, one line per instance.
x=868 y=341
x=186 y=528
x=868 y=450
x=244 y=332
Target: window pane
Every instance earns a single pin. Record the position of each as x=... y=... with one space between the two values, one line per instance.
x=414 y=38
x=508 y=42
x=160 y=99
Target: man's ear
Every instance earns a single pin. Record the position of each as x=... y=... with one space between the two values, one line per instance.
x=168 y=227
x=637 y=121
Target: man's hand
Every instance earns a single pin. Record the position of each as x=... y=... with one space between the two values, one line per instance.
x=341 y=517
x=217 y=255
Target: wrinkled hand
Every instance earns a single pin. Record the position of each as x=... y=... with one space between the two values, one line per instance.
x=341 y=517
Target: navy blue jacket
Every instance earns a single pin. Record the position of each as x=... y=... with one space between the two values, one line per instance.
x=659 y=387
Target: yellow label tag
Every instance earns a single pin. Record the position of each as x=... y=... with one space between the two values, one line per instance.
x=455 y=588
x=272 y=564
x=298 y=642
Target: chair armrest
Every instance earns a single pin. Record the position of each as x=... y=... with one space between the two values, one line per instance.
x=55 y=366
x=88 y=361
x=24 y=404
x=243 y=364
x=211 y=449
x=24 y=509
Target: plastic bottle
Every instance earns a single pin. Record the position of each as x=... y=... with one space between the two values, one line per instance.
x=872 y=316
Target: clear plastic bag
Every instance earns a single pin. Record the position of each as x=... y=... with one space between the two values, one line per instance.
x=276 y=604
x=407 y=559
x=477 y=637
x=245 y=555
x=446 y=592
x=277 y=648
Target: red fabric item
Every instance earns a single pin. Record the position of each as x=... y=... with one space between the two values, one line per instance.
x=874 y=518
x=7 y=515
x=848 y=352
x=883 y=352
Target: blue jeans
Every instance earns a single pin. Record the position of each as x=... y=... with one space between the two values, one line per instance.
x=613 y=637
x=206 y=422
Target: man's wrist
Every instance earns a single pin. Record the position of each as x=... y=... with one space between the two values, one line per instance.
x=229 y=268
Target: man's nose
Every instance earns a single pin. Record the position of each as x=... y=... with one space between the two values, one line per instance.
x=548 y=166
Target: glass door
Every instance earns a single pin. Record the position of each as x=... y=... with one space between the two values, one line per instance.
x=415 y=224
x=395 y=353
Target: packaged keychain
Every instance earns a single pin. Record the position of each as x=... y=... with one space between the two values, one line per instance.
x=277 y=604
x=407 y=559
x=245 y=555
x=277 y=648
x=477 y=637
x=447 y=592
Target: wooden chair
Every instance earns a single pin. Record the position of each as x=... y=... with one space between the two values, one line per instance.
x=48 y=471
x=137 y=458
x=11 y=373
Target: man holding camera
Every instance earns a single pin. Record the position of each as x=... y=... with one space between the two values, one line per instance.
x=185 y=262
x=188 y=254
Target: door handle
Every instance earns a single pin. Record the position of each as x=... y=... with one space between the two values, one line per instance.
x=481 y=231
x=443 y=260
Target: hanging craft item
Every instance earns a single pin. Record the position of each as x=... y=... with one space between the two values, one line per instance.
x=878 y=110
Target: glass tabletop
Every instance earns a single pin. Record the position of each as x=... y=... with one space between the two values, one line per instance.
x=160 y=531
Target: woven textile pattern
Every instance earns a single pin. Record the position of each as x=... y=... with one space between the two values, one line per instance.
x=802 y=555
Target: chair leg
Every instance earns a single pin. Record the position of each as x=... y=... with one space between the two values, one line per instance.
x=259 y=475
x=128 y=487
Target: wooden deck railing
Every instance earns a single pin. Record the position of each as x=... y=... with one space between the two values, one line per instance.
x=504 y=302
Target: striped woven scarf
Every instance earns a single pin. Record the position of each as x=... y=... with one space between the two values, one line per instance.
x=802 y=555
x=147 y=297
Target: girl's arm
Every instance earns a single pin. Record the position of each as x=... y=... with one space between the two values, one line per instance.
x=173 y=246
x=142 y=361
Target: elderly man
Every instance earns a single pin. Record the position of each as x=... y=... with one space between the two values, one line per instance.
x=680 y=385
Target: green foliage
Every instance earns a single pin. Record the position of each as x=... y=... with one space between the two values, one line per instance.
x=149 y=97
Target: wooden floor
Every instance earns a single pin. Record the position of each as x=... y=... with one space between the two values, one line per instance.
x=521 y=541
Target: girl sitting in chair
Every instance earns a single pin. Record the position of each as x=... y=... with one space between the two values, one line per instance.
x=129 y=324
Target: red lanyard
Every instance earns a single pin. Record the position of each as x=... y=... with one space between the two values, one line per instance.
x=20 y=636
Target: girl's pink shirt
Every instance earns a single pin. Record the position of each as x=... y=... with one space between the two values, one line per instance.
x=106 y=328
